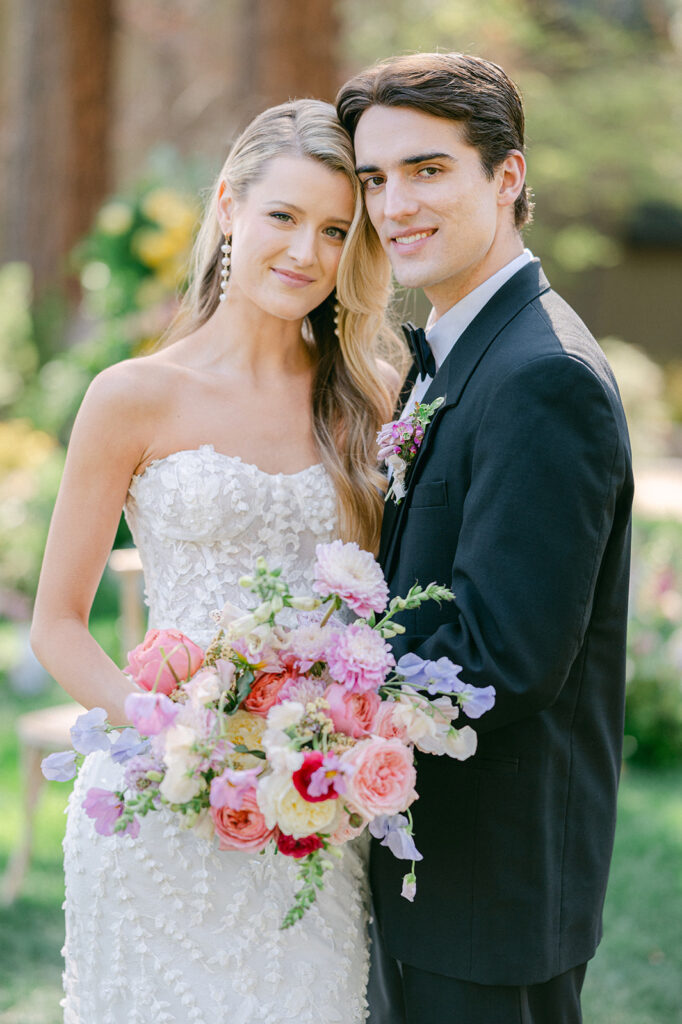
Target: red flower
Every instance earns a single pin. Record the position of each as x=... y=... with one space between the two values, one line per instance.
x=313 y=760
x=298 y=847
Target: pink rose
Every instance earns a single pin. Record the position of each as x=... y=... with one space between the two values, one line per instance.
x=384 y=777
x=386 y=724
x=244 y=829
x=352 y=713
x=164 y=659
x=265 y=691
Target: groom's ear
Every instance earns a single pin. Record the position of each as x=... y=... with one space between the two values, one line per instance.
x=511 y=177
x=226 y=204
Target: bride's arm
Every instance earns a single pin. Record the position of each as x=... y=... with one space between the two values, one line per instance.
x=104 y=451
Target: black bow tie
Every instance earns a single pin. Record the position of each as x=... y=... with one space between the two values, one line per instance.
x=420 y=349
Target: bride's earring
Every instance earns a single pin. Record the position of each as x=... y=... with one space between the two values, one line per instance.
x=226 y=249
x=337 y=314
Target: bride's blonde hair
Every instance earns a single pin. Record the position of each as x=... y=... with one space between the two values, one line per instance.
x=350 y=399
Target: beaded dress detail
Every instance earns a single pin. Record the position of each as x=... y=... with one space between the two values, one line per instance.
x=166 y=928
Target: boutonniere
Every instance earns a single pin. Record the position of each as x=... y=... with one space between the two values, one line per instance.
x=399 y=443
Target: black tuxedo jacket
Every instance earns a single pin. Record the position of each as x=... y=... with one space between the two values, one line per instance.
x=520 y=500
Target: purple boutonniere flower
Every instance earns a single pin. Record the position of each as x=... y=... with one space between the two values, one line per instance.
x=399 y=443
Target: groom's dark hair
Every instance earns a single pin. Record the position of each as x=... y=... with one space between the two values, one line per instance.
x=474 y=92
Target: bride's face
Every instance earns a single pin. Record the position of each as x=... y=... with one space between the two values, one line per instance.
x=287 y=235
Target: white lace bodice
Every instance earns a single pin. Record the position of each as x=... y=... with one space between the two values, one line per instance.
x=200 y=519
x=166 y=928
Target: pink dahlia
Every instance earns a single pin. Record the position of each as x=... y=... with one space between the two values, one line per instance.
x=359 y=658
x=353 y=574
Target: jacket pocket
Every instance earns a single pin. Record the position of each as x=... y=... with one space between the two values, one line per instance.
x=430 y=494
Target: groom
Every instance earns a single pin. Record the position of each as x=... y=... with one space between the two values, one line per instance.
x=519 y=499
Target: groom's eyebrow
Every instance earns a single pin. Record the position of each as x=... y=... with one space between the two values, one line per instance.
x=408 y=161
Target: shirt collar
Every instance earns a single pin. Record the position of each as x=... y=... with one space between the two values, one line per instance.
x=442 y=334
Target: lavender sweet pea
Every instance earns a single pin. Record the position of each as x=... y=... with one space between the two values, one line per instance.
x=394 y=832
x=60 y=767
x=128 y=744
x=476 y=700
x=90 y=732
x=440 y=676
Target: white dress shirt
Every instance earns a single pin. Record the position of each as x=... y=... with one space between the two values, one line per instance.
x=442 y=334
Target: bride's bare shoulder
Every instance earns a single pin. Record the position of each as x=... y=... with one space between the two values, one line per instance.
x=136 y=386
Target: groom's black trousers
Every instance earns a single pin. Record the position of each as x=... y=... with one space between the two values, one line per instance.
x=427 y=998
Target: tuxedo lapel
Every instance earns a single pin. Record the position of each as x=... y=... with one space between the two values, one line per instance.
x=452 y=378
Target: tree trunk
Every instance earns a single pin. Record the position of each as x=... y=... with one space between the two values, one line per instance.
x=290 y=51
x=59 y=158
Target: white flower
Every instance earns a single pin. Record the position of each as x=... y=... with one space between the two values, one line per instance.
x=276 y=744
x=283 y=805
x=229 y=613
x=281 y=755
x=461 y=743
x=428 y=722
x=351 y=573
x=283 y=716
x=177 y=786
x=205 y=688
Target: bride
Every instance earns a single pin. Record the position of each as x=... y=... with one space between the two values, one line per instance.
x=251 y=432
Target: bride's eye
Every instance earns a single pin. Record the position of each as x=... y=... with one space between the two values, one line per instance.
x=283 y=218
x=338 y=234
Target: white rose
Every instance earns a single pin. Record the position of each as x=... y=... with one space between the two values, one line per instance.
x=283 y=805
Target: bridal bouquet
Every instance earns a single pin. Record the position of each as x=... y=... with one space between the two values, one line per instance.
x=294 y=735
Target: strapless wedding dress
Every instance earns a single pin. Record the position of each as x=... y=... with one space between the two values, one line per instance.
x=167 y=929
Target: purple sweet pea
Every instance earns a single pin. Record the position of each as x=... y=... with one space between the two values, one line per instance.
x=128 y=744
x=60 y=767
x=106 y=808
x=393 y=831
x=229 y=789
x=150 y=713
x=476 y=700
x=89 y=732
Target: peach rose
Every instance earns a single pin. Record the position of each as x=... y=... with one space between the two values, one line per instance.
x=164 y=659
x=265 y=690
x=244 y=829
x=384 y=777
x=387 y=725
x=352 y=713
x=342 y=829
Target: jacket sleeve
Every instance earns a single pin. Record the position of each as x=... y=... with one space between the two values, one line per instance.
x=549 y=460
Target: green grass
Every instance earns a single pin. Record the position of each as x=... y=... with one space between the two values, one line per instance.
x=635 y=978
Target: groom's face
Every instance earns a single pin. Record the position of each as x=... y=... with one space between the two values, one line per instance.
x=432 y=205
